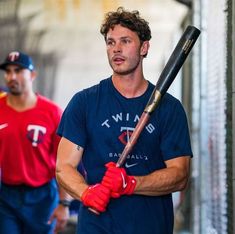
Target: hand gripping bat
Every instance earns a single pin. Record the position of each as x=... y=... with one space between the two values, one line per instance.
x=166 y=78
x=172 y=67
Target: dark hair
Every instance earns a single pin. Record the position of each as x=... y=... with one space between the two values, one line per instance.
x=127 y=19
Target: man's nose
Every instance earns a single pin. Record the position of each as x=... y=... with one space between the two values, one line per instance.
x=117 y=47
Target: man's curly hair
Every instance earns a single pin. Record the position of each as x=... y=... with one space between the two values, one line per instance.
x=127 y=19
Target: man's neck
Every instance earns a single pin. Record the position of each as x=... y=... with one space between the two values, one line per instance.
x=22 y=102
x=130 y=86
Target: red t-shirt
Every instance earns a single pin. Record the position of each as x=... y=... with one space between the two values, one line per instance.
x=28 y=143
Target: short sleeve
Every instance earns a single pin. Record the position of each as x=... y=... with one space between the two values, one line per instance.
x=72 y=124
x=175 y=138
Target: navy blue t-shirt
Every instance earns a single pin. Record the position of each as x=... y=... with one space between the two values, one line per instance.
x=101 y=120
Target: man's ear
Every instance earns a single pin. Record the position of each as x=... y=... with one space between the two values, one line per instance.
x=144 y=48
x=33 y=75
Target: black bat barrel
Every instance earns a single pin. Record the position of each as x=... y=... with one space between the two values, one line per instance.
x=177 y=58
x=173 y=66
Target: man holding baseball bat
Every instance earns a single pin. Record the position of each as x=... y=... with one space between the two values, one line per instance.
x=135 y=197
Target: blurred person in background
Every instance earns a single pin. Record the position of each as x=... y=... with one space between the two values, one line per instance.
x=30 y=199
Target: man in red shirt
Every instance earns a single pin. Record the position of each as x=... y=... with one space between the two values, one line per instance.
x=29 y=195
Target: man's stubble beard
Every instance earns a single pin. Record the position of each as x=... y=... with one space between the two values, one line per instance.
x=14 y=91
x=124 y=71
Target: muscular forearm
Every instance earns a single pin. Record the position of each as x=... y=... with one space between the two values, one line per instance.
x=71 y=181
x=160 y=182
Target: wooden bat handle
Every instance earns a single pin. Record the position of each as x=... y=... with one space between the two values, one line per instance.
x=135 y=135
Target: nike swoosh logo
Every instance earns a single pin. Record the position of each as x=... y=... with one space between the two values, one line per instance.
x=124 y=183
x=3 y=125
x=130 y=165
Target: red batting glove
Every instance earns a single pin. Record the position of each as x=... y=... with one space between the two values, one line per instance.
x=118 y=181
x=96 y=197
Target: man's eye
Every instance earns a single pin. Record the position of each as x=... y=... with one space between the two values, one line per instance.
x=18 y=70
x=110 y=43
x=126 y=41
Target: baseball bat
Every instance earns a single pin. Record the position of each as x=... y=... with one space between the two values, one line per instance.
x=172 y=67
